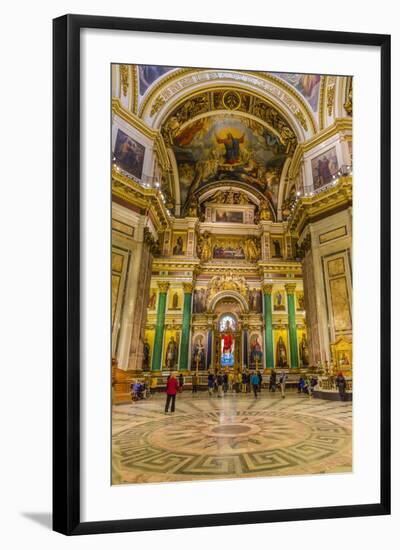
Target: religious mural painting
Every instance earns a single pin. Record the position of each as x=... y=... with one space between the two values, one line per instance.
x=227 y=326
x=307 y=84
x=200 y=300
x=129 y=154
x=256 y=352
x=179 y=244
x=199 y=351
x=324 y=167
x=279 y=300
x=227 y=148
x=152 y=299
x=226 y=216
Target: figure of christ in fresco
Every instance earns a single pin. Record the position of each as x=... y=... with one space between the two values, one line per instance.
x=232 y=148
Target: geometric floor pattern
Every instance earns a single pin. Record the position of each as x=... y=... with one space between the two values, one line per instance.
x=235 y=436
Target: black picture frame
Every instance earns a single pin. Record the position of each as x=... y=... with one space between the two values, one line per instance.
x=66 y=273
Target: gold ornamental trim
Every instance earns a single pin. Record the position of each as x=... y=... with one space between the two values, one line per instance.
x=267 y=288
x=187 y=288
x=163 y=286
x=290 y=288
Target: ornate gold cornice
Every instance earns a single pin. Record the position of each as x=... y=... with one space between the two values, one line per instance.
x=163 y=286
x=148 y=200
x=322 y=204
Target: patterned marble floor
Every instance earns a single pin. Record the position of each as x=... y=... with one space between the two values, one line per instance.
x=236 y=436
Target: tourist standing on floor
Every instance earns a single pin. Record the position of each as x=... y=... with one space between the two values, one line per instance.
x=272 y=381
x=244 y=382
x=239 y=382
x=225 y=382
x=282 y=382
x=231 y=381
x=210 y=383
x=181 y=382
x=220 y=382
x=195 y=383
x=341 y=384
x=172 y=388
x=259 y=380
x=254 y=381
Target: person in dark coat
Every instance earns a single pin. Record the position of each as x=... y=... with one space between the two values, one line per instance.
x=272 y=381
x=259 y=380
x=341 y=384
x=210 y=383
x=225 y=382
x=181 y=382
x=195 y=382
x=220 y=384
x=172 y=388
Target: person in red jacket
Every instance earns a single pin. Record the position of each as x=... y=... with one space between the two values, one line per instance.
x=172 y=388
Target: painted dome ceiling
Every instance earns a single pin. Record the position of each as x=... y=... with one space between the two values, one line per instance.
x=228 y=136
x=226 y=127
x=229 y=148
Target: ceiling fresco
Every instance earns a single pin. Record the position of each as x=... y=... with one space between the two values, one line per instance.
x=147 y=74
x=229 y=147
x=307 y=84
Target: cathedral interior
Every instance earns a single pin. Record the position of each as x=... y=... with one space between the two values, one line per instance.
x=231 y=253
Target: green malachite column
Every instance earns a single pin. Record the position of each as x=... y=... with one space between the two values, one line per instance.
x=158 y=338
x=269 y=344
x=294 y=353
x=187 y=312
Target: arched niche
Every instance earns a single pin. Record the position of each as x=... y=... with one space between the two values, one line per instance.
x=226 y=295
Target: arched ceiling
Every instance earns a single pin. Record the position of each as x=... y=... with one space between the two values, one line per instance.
x=227 y=125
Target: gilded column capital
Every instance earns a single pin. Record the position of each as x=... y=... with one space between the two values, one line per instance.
x=163 y=286
x=267 y=288
x=187 y=288
x=290 y=288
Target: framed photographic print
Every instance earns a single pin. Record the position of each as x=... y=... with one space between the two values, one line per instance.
x=221 y=288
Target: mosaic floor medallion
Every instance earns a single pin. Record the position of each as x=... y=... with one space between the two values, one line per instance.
x=238 y=436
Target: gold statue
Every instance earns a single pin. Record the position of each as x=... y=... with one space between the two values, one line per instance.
x=265 y=214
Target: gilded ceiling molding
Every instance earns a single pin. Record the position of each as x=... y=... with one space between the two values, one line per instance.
x=135 y=89
x=269 y=86
x=321 y=103
x=124 y=75
x=178 y=101
x=154 y=88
